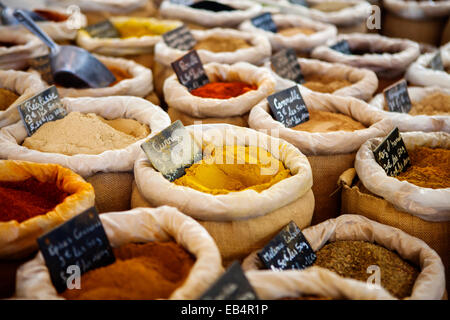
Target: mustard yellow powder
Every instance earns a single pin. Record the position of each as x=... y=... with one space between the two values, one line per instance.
x=241 y=168
x=139 y=27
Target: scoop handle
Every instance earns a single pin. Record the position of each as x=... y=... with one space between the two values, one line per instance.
x=25 y=19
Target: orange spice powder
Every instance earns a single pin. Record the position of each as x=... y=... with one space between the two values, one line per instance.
x=223 y=90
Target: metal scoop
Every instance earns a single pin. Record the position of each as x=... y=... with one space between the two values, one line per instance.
x=71 y=66
x=7 y=15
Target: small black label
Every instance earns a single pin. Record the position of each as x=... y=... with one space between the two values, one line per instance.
x=436 y=62
x=286 y=65
x=397 y=97
x=391 y=154
x=41 y=108
x=103 y=29
x=288 y=107
x=288 y=250
x=81 y=242
x=232 y=285
x=172 y=151
x=182 y=2
x=342 y=47
x=43 y=66
x=189 y=71
x=265 y=21
x=299 y=2
x=180 y=38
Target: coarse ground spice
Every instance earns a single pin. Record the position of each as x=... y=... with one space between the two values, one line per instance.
x=430 y=168
x=223 y=90
x=221 y=44
x=324 y=121
x=22 y=200
x=292 y=31
x=352 y=258
x=7 y=98
x=141 y=272
x=324 y=84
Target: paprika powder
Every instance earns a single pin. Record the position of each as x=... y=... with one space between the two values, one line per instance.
x=223 y=90
x=22 y=200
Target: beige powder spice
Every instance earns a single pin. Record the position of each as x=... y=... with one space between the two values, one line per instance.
x=80 y=133
x=221 y=44
x=292 y=31
x=324 y=121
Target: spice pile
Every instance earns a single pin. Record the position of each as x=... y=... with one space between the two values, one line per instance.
x=324 y=84
x=22 y=200
x=324 y=121
x=221 y=44
x=7 y=97
x=223 y=90
x=136 y=27
x=331 y=6
x=288 y=32
x=430 y=168
x=141 y=272
x=435 y=104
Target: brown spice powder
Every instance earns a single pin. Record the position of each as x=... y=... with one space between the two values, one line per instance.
x=292 y=31
x=7 y=98
x=141 y=272
x=352 y=258
x=119 y=73
x=430 y=168
x=434 y=104
x=221 y=44
x=325 y=84
x=324 y=121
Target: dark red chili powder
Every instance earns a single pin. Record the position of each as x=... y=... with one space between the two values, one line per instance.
x=223 y=90
x=22 y=200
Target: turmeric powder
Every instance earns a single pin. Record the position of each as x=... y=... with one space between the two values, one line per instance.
x=141 y=272
x=234 y=168
x=7 y=98
x=324 y=84
x=430 y=168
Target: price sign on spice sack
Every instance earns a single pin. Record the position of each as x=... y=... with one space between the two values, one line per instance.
x=42 y=65
x=436 y=62
x=265 y=22
x=182 y=2
x=391 y=154
x=172 y=151
x=286 y=65
x=41 y=108
x=180 y=38
x=233 y=285
x=103 y=29
x=189 y=71
x=397 y=97
x=288 y=107
x=342 y=47
x=80 y=242
x=288 y=250
x=299 y=2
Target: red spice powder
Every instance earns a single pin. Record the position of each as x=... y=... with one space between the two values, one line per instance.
x=223 y=90
x=22 y=200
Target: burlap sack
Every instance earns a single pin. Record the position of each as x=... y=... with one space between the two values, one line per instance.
x=99 y=10
x=242 y=221
x=302 y=43
x=178 y=97
x=140 y=225
x=420 y=73
x=329 y=153
x=430 y=284
x=397 y=54
x=112 y=189
x=23 y=84
x=140 y=84
x=315 y=281
x=364 y=82
x=407 y=122
x=244 y=10
x=25 y=46
x=164 y=55
x=17 y=240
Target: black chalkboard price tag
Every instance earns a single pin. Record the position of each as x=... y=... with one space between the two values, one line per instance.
x=189 y=71
x=391 y=154
x=40 y=109
x=182 y=2
x=43 y=66
x=288 y=250
x=397 y=97
x=436 y=62
x=103 y=29
x=265 y=22
x=342 y=47
x=172 y=151
x=299 y=2
x=286 y=65
x=288 y=107
x=180 y=38
x=81 y=242
x=233 y=285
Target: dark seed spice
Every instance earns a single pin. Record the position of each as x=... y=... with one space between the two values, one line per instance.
x=352 y=258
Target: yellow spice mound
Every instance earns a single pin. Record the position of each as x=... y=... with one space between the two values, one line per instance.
x=242 y=168
x=138 y=27
x=80 y=133
x=324 y=121
x=288 y=32
x=434 y=104
x=221 y=44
